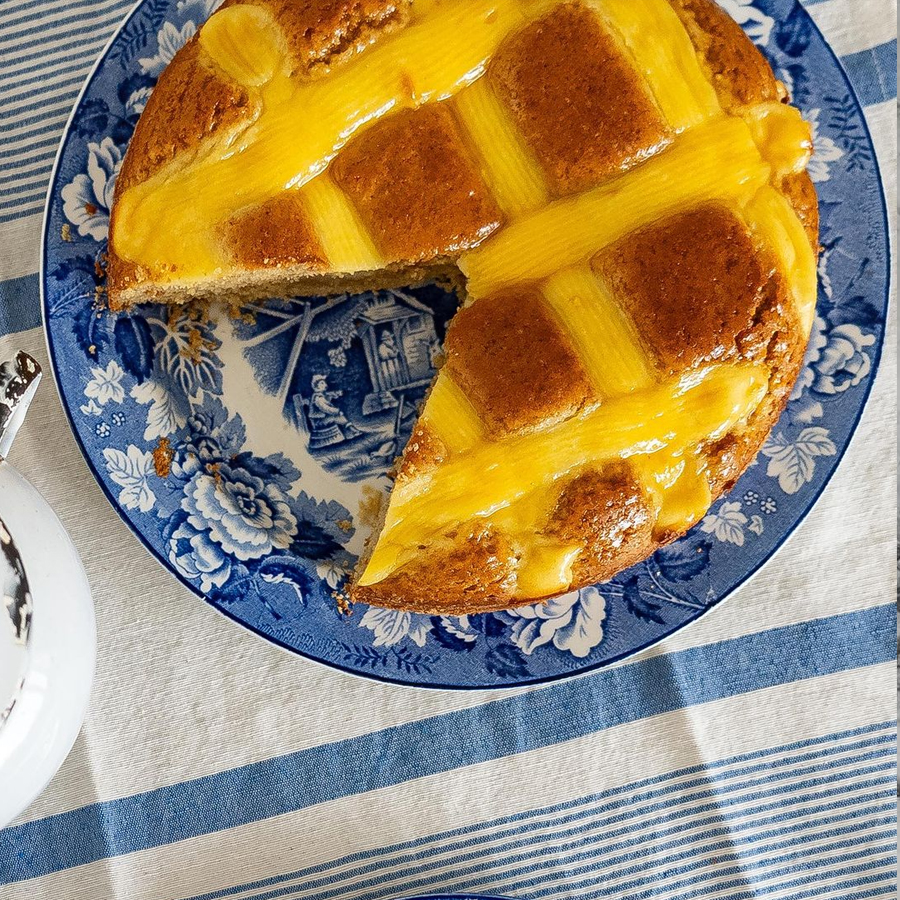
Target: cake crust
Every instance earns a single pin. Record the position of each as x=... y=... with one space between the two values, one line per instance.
x=577 y=99
x=514 y=363
x=698 y=286
x=278 y=233
x=415 y=187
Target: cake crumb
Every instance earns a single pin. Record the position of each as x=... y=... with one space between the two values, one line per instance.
x=163 y=454
x=195 y=344
x=407 y=86
x=66 y=233
x=345 y=607
x=370 y=507
x=345 y=525
x=238 y=313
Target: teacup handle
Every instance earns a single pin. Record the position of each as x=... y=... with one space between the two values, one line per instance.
x=19 y=380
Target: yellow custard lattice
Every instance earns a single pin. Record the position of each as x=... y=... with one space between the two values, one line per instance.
x=772 y=218
x=452 y=417
x=300 y=125
x=718 y=161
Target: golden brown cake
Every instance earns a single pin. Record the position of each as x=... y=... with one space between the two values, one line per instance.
x=621 y=186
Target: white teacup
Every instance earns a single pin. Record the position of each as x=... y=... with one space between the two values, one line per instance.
x=47 y=632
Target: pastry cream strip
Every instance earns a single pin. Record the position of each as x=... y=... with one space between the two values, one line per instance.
x=343 y=237
x=784 y=134
x=167 y=221
x=600 y=331
x=544 y=563
x=665 y=55
x=679 y=491
x=511 y=171
x=726 y=160
x=718 y=161
x=545 y=568
x=451 y=416
x=673 y=416
x=772 y=218
x=679 y=487
x=246 y=44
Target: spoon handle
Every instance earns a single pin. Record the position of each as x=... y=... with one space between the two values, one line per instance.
x=19 y=378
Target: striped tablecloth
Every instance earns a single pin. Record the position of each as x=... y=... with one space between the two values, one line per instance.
x=751 y=756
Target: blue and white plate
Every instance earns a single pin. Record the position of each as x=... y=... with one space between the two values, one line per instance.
x=200 y=431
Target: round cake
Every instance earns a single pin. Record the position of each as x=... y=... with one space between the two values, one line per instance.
x=617 y=187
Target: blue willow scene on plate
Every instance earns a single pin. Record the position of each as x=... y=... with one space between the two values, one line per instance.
x=248 y=448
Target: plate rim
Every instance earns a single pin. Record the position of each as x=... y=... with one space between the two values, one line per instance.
x=583 y=671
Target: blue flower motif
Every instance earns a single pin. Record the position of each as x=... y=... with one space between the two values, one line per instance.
x=102 y=430
x=391 y=626
x=198 y=557
x=247 y=517
x=836 y=359
x=87 y=199
x=212 y=437
x=843 y=362
x=573 y=623
x=119 y=419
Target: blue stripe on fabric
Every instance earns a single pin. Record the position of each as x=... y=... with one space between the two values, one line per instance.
x=576 y=813
x=28 y=23
x=881 y=809
x=35 y=113
x=35 y=198
x=643 y=888
x=91 y=19
x=20 y=306
x=76 y=67
x=748 y=888
x=33 y=131
x=34 y=205
x=874 y=73
x=48 y=141
x=619 y=825
x=731 y=828
x=493 y=730
x=64 y=87
x=596 y=854
x=84 y=53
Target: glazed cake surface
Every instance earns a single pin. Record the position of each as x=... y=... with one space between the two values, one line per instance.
x=620 y=183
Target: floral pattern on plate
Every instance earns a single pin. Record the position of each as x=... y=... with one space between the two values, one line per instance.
x=249 y=452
